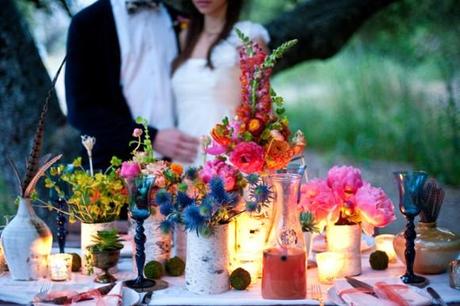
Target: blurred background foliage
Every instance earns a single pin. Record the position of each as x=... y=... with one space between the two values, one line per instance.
x=392 y=93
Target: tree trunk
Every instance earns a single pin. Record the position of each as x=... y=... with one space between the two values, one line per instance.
x=23 y=87
x=322 y=27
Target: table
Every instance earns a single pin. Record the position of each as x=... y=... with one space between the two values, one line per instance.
x=23 y=292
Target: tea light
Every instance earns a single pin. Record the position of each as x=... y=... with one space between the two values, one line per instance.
x=330 y=266
x=385 y=243
x=60 y=266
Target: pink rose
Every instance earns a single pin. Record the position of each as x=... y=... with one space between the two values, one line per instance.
x=130 y=169
x=317 y=198
x=217 y=167
x=137 y=132
x=248 y=157
x=344 y=181
x=374 y=206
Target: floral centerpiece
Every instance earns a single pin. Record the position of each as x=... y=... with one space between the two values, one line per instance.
x=257 y=140
x=95 y=198
x=345 y=203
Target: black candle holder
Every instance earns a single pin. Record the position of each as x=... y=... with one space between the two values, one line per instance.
x=61 y=221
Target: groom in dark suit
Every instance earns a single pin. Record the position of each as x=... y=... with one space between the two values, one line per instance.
x=118 y=67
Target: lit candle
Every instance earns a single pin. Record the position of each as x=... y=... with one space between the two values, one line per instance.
x=385 y=243
x=330 y=266
x=60 y=266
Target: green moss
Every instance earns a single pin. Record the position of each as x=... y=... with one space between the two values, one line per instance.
x=240 y=279
x=175 y=266
x=154 y=270
x=379 y=260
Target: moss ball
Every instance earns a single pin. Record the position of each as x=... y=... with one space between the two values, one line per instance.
x=240 y=279
x=175 y=266
x=76 y=262
x=379 y=260
x=154 y=270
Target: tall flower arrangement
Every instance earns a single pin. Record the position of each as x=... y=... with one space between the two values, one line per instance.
x=345 y=198
x=258 y=139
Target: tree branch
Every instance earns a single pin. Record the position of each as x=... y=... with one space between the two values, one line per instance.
x=322 y=27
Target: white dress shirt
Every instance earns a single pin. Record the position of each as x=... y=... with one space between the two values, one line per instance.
x=147 y=47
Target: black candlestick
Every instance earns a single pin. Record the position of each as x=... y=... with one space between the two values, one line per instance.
x=409 y=277
x=61 y=224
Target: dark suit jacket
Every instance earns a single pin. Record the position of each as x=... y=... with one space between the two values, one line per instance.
x=95 y=101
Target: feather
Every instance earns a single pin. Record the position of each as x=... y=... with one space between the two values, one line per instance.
x=16 y=173
x=32 y=164
x=39 y=174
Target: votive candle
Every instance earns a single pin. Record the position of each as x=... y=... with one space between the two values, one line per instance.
x=60 y=267
x=385 y=243
x=330 y=265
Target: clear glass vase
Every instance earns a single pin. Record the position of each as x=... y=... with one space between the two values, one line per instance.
x=284 y=270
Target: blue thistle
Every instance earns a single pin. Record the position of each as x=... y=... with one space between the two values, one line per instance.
x=166 y=226
x=191 y=173
x=166 y=209
x=261 y=193
x=205 y=210
x=252 y=206
x=193 y=220
x=183 y=200
x=252 y=179
x=163 y=197
x=218 y=190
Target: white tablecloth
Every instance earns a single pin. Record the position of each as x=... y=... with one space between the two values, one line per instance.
x=23 y=291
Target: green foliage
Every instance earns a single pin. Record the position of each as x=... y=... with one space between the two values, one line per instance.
x=107 y=240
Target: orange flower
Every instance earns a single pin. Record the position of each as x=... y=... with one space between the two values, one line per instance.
x=255 y=126
x=221 y=135
x=278 y=153
x=177 y=168
x=96 y=195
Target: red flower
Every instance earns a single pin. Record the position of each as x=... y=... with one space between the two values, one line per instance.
x=248 y=157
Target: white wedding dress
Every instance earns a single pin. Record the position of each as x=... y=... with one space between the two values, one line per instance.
x=203 y=97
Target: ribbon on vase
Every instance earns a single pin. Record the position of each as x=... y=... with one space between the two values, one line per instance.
x=384 y=290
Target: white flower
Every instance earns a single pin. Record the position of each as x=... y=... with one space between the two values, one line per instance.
x=88 y=142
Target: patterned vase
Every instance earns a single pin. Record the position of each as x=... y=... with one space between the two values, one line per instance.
x=27 y=242
x=346 y=239
x=208 y=259
x=88 y=230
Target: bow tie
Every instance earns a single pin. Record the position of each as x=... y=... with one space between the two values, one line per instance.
x=134 y=6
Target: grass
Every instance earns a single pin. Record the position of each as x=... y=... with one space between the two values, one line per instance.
x=368 y=107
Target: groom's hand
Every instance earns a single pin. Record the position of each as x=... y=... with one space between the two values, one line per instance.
x=176 y=145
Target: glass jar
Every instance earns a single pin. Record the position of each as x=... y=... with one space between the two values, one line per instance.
x=284 y=270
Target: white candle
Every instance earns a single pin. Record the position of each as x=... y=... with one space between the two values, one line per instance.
x=330 y=266
x=60 y=266
x=385 y=243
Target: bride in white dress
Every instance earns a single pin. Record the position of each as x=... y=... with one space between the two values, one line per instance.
x=206 y=74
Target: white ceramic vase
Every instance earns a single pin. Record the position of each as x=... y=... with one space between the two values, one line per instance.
x=179 y=242
x=157 y=244
x=346 y=239
x=206 y=271
x=88 y=230
x=27 y=242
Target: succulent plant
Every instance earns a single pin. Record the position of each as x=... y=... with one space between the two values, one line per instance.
x=107 y=240
x=308 y=223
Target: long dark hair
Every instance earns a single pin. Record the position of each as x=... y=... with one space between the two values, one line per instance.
x=196 y=26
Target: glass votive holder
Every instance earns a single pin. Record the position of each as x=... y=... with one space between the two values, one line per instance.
x=60 y=267
x=384 y=243
x=330 y=265
x=454 y=274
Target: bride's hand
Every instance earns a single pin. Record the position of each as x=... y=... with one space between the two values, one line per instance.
x=176 y=145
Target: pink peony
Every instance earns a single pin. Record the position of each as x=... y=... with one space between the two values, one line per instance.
x=344 y=181
x=137 y=132
x=317 y=198
x=248 y=157
x=130 y=169
x=218 y=167
x=374 y=206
